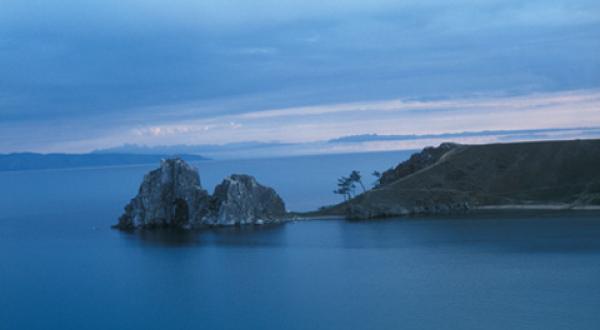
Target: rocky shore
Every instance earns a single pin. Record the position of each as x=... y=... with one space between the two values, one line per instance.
x=447 y=179
x=172 y=197
x=453 y=178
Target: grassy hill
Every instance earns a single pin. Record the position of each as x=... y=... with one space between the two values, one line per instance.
x=453 y=178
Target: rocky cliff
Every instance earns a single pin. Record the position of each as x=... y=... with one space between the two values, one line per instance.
x=454 y=178
x=240 y=200
x=172 y=196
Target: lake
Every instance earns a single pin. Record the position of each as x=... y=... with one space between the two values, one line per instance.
x=62 y=267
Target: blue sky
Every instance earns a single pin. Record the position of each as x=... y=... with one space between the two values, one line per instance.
x=77 y=75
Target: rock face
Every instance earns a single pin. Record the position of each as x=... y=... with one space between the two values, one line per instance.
x=172 y=196
x=411 y=202
x=240 y=200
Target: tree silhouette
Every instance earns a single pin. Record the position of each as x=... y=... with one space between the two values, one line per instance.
x=356 y=177
x=345 y=188
x=377 y=175
x=347 y=185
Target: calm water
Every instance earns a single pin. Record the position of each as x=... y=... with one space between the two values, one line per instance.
x=61 y=267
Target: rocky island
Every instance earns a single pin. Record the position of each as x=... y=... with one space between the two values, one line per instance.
x=454 y=178
x=450 y=178
x=172 y=197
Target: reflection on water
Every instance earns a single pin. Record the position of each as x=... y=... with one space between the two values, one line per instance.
x=234 y=235
x=62 y=267
x=164 y=237
x=503 y=272
x=505 y=231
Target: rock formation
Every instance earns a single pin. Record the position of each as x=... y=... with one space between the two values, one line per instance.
x=172 y=196
x=240 y=200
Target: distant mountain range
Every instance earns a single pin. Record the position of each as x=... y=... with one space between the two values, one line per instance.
x=198 y=149
x=502 y=134
x=356 y=143
x=35 y=161
x=130 y=154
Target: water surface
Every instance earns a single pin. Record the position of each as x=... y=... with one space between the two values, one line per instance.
x=63 y=268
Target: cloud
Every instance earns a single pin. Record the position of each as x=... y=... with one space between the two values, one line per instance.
x=481 y=103
x=258 y=51
x=537 y=111
x=312 y=39
x=361 y=143
x=75 y=73
x=158 y=131
x=317 y=123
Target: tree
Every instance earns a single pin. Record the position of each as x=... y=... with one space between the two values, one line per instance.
x=356 y=177
x=377 y=176
x=345 y=187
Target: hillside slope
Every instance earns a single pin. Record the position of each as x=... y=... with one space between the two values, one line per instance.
x=467 y=176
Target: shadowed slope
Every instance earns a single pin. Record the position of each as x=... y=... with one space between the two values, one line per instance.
x=466 y=176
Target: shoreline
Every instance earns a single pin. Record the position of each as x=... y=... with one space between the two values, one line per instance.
x=484 y=208
x=299 y=217
x=541 y=207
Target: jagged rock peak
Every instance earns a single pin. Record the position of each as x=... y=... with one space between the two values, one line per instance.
x=173 y=168
x=239 y=200
x=172 y=196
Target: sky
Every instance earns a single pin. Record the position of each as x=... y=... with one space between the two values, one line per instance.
x=79 y=75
